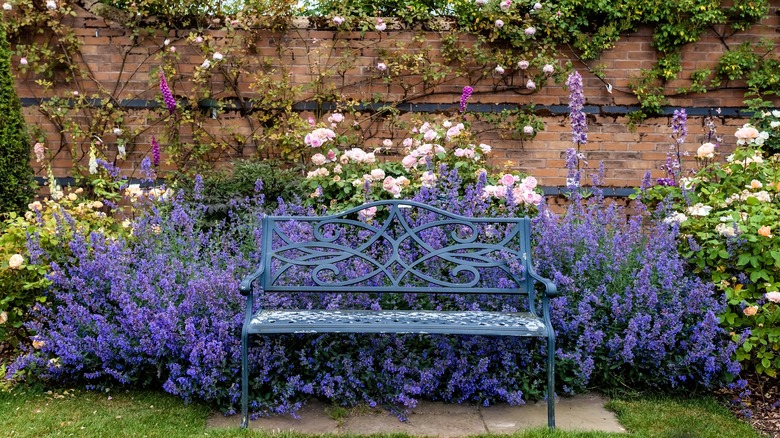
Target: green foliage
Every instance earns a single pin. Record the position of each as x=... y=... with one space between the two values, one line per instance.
x=727 y=225
x=220 y=188
x=51 y=223
x=16 y=183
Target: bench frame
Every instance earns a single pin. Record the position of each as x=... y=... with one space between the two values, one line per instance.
x=322 y=252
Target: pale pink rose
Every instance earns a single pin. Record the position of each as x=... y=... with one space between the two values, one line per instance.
x=430 y=135
x=331 y=155
x=507 y=179
x=381 y=66
x=377 y=174
x=428 y=179
x=367 y=214
x=337 y=168
x=505 y=5
x=529 y=182
x=746 y=134
x=750 y=310
x=707 y=150
x=338 y=21
x=407 y=142
x=548 y=69
x=531 y=85
x=528 y=130
x=453 y=132
x=336 y=118
x=318 y=159
x=499 y=70
x=459 y=152
x=409 y=161
x=387 y=143
x=522 y=65
x=773 y=297
x=530 y=31
x=499 y=23
x=388 y=183
x=485 y=148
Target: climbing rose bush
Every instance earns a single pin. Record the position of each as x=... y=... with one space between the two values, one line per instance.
x=729 y=231
x=344 y=177
x=161 y=308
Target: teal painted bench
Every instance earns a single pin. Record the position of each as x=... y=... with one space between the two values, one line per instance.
x=392 y=247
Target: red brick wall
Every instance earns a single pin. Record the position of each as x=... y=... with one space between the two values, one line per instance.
x=627 y=153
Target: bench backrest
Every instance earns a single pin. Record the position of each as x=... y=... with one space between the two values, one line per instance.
x=396 y=246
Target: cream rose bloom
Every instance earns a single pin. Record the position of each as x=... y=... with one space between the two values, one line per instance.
x=16 y=261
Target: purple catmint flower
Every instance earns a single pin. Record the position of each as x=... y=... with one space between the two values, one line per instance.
x=155 y=152
x=464 y=97
x=579 y=124
x=170 y=102
x=679 y=128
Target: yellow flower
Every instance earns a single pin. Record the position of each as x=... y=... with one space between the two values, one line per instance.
x=38 y=344
x=765 y=231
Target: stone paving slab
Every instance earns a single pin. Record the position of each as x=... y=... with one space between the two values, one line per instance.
x=582 y=412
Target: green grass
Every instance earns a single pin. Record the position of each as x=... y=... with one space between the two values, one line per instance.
x=31 y=413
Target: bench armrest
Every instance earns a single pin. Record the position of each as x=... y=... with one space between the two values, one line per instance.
x=246 y=284
x=550 y=288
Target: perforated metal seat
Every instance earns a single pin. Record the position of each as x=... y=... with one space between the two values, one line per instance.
x=397 y=321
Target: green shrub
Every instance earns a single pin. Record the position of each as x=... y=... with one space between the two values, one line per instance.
x=16 y=183
x=220 y=188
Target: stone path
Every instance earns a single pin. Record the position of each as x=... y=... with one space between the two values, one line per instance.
x=583 y=412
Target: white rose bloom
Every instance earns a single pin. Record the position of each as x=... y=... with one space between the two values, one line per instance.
x=726 y=230
x=16 y=261
x=675 y=218
x=699 y=210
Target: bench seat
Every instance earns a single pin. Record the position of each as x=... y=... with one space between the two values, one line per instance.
x=398 y=321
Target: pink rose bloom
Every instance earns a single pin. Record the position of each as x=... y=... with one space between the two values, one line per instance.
x=331 y=155
x=468 y=153
x=548 y=69
x=707 y=150
x=773 y=297
x=746 y=134
x=336 y=118
x=453 y=132
x=529 y=182
x=528 y=130
x=380 y=25
x=499 y=70
x=381 y=66
x=530 y=31
x=522 y=65
x=428 y=179
x=430 y=135
x=459 y=152
x=367 y=214
x=318 y=159
x=537 y=6
x=409 y=161
x=505 y=5
x=531 y=85
x=499 y=23
x=507 y=180
x=338 y=21
x=407 y=142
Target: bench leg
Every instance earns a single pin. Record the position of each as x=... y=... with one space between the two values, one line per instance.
x=244 y=381
x=551 y=382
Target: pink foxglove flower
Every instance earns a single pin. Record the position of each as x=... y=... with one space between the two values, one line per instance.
x=155 y=152
x=170 y=102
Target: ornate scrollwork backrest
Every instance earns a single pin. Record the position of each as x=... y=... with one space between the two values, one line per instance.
x=396 y=246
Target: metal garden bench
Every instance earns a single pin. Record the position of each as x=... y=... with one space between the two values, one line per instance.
x=397 y=247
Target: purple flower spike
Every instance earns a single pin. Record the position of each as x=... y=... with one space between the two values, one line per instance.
x=155 y=152
x=579 y=124
x=464 y=97
x=170 y=102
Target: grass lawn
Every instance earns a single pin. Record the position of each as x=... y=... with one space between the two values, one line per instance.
x=30 y=413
